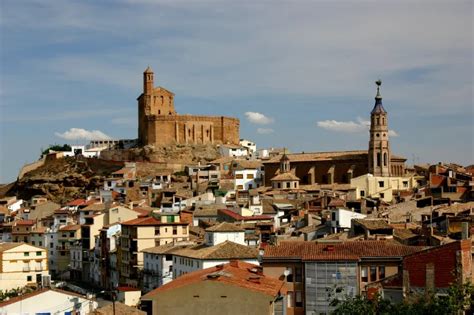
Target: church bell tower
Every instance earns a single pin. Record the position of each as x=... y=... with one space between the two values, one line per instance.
x=379 y=145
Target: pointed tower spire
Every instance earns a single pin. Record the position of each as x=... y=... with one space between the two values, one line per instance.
x=379 y=145
x=378 y=107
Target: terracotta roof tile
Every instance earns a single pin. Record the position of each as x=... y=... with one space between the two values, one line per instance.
x=285 y=176
x=71 y=227
x=226 y=250
x=241 y=274
x=337 y=251
x=225 y=227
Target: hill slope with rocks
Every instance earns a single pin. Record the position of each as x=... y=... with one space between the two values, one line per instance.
x=63 y=179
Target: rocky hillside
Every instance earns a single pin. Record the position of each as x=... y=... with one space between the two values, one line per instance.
x=179 y=154
x=64 y=179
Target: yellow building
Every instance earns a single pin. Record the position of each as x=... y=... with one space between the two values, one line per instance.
x=147 y=232
x=384 y=188
x=21 y=264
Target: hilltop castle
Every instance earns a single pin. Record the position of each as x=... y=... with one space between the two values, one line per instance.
x=160 y=125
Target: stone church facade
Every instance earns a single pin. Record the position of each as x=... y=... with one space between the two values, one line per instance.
x=341 y=166
x=160 y=125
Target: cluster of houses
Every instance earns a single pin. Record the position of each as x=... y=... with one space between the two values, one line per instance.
x=228 y=238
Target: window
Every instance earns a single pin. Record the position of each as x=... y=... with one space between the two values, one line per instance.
x=405 y=184
x=381 y=272
x=239 y=176
x=26 y=254
x=298 y=276
x=381 y=184
x=333 y=214
x=250 y=176
x=175 y=230
x=38 y=253
x=373 y=273
x=240 y=187
x=29 y=278
x=362 y=193
x=363 y=274
x=385 y=159
x=379 y=157
x=288 y=185
x=157 y=231
x=382 y=195
x=298 y=299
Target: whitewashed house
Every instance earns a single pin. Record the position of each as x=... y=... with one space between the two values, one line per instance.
x=247 y=174
x=158 y=264
x=49 y=301
x=341 y=219
x=201 y=256
x=232 y=150
x=224 y=231
x=251 y=146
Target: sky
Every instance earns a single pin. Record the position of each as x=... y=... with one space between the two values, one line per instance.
x=297 y=74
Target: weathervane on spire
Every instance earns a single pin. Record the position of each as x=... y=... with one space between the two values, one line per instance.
x=379 y=83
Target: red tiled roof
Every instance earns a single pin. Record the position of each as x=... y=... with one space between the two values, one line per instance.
x=239 y=217
x=236 y=273
x=25 y=222
x=337 y=251
x=72 y=227
x=77 y=202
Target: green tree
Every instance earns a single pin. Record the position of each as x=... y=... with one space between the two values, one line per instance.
x=57 y=147
x=456 y=301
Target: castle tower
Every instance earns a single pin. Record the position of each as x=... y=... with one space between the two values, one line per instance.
x=148 y=81
x=379 y=145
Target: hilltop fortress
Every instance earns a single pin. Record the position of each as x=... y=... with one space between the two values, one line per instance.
x=160 y=125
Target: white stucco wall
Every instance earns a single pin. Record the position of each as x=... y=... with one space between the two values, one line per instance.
x=50 y=302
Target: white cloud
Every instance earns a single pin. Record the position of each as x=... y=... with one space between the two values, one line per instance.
x=392 y=133
x=360 y=125
x=82 y=134
x=265 y=131
x=258 y=118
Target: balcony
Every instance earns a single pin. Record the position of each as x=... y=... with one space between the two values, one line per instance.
x=39 y=268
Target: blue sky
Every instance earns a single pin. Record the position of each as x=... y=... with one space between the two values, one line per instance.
x=307 y=66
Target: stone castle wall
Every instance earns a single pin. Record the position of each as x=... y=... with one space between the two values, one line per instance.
x=190 y=129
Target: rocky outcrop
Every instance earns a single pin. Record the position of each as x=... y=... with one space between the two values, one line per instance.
x=181 y=153
x=64 y=179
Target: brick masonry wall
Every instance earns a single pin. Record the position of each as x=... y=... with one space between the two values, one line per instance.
x=450 y=262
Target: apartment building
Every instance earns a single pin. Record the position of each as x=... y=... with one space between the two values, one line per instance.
x=21 y=264
x=316 y=273
x=146 y=232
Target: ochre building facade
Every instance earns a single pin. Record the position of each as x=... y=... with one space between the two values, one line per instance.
x=160 y=125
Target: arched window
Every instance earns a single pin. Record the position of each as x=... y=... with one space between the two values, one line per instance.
x=383 y=120
x=385 y=159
